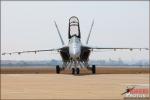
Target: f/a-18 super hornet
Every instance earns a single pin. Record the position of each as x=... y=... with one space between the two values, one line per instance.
x=75 y=55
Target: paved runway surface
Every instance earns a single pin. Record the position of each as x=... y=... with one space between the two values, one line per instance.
x=67 y=86
x=99 y=70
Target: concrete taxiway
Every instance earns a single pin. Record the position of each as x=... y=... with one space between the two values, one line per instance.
x=67 y=86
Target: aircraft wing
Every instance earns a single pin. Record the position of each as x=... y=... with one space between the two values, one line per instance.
x=106 y=48
x=113 y=48
x=35 y=51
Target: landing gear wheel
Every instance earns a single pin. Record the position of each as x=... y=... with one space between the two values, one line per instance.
x=57 y=69
x=78 y=70
x=93 y=69
x=73 y=70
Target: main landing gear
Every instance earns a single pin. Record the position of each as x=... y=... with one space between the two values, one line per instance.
x=93 y=69
x=57 y=69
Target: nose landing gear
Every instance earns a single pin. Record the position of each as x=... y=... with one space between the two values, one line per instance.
x=75 y=71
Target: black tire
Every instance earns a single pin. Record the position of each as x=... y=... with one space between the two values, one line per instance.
x=73 y=70
x=93 y=69
x=77 y=70
x=57 y=69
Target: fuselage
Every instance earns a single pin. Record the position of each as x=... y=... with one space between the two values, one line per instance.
x=74 y=38
x=75 y=47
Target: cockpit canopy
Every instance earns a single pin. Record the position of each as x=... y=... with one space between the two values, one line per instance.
x=74 y=29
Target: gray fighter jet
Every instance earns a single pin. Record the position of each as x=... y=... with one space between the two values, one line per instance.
x=75 y=55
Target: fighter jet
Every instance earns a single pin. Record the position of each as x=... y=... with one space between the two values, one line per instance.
x=75 y=55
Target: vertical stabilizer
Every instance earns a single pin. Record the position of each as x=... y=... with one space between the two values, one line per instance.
x=59 y=33
x=90 y=32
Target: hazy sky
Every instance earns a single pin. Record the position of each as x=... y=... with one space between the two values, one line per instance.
x=28 y=25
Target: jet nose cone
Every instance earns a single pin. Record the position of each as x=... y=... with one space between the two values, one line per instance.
x=75 y=53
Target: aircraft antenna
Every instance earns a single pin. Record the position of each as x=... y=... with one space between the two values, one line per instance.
x=59 y=33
